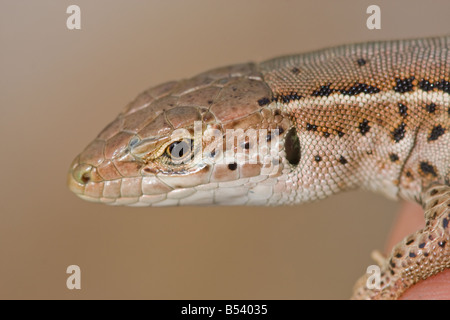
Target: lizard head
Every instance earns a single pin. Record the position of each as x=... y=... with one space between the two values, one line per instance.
x=217 y=138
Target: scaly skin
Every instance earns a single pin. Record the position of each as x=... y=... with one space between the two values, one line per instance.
x=374 y=116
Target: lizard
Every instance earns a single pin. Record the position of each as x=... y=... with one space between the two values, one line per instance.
x=373 y=116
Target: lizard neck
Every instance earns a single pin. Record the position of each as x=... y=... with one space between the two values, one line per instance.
x=372 y=116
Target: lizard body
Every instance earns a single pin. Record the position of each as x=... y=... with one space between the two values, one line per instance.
x=372 y=115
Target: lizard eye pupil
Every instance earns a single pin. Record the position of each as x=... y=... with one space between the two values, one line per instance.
x=179 y=149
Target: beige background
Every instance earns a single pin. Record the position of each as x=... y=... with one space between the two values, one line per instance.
x=60 y=87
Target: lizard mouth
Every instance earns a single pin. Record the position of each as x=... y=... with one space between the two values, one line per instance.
x=142 y=188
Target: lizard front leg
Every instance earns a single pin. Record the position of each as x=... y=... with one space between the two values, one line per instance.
x=418 y=256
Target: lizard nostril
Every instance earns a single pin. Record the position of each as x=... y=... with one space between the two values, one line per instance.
x=82 y=173
x=85 y=178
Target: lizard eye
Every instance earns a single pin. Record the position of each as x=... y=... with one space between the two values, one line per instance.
x=180 y=150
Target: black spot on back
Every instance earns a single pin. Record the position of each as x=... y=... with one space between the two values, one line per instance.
x=404 y=85
x=311 y=127
x=442 y=84
x=403 y=110
x=399 y=132
x=342 y=160
x=427 y=169
x=391 y=263
x=323 y=91
x=436 y=132
x=431 y=108
x=394 y=157
x=364 y=127
x=358 y=88
x=292 y=147
x=425 y=85
x=361 y=62
x=318 y=158
x=295 y=70
x=286 y=98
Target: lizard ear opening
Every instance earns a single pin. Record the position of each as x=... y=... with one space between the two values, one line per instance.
x=292 y=147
